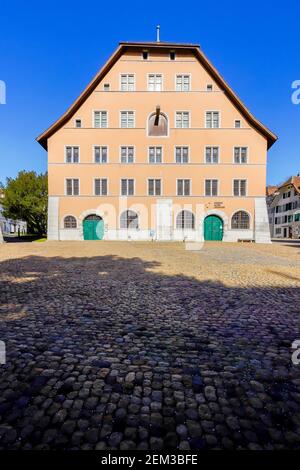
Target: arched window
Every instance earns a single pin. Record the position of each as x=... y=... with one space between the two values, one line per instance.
x=240 y=220
x=70 y=222
x=157 y=125
x=185 y=219
x=129 y=220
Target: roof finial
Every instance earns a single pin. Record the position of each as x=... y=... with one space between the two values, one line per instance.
x=157 y=33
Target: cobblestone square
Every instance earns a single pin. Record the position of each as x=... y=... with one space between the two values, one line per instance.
x=133 y=345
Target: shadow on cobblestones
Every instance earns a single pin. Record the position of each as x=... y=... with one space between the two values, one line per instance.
x=104 y=353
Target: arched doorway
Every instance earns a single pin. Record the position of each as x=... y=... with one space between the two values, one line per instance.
x=93 y=227
x=213 y=228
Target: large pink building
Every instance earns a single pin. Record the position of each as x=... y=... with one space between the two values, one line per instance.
x=157 y=146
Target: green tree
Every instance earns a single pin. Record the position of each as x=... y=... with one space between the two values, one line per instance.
x=25 y=197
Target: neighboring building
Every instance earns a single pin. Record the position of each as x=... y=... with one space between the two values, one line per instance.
x=10 y=226
x=157 y=146
x=284 y=209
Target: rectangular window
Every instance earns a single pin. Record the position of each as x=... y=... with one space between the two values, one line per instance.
x=145 y=55
x=127 y=82
x=182 y=119
x=154 y=187
x=239 y=187
x=278 y=231
x=100 y=119
x=100 y=154
x=155 y=82
x=172 y=55
x=297 y=217
x=127 y=154
x=287 y=195
x=106 y=87
x=78 y=123
x=72 y=154
x=182 y=83
x=209 y=87
x=155 y=154
x=212 y=155
x=127 y=187
x=237 y=124
x=240 y=154
x=183 y=187
x=72 y=186
x=212 y=120
x=211 y=188
x=181 y=154
x=100 y=187
x=127 y=119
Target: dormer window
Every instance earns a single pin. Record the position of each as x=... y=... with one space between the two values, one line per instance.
x=145 y=55
x=172 y=55
x=78 y=123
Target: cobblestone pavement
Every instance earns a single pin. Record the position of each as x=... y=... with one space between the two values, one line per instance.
x=149 y=346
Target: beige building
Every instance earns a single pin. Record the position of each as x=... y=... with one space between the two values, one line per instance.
x=157 y=146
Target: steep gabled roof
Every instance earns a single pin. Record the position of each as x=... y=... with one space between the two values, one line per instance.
x=294 y=181
x=123 y=46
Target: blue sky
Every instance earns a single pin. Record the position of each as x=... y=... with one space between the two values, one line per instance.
x=50 y=50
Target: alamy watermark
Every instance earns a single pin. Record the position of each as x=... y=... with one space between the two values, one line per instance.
x=2 y=92
x=2 y=353
x=296 y=94
x=296 y=353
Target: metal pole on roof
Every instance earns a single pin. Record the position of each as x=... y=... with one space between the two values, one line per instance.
x=158 y=33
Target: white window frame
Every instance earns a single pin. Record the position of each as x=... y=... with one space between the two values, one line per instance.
x=240 y=147
x=127 y=111
x=161 y=187
x=182 y=163
x=72 y=178
x=237 y=120
x=162 y=154
x=127 y=178
x=93 y=155
x=184 y=179
x=120 y=154
x=78 y=119
x=182 y=75
x=182 y=112
x=120 y=81
x=218 y=187
x=239 y=179
x=155 y=75
x=212 y=111
x=93 y=118
x=219 y=155
x=72 y=162
x=209 y=85
x=94 y=182
x=106 y=83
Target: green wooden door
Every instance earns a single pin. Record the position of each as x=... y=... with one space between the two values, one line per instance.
x=213 y=228
x=93 y=229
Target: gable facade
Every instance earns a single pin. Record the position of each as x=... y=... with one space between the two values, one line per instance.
x=155 y=148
